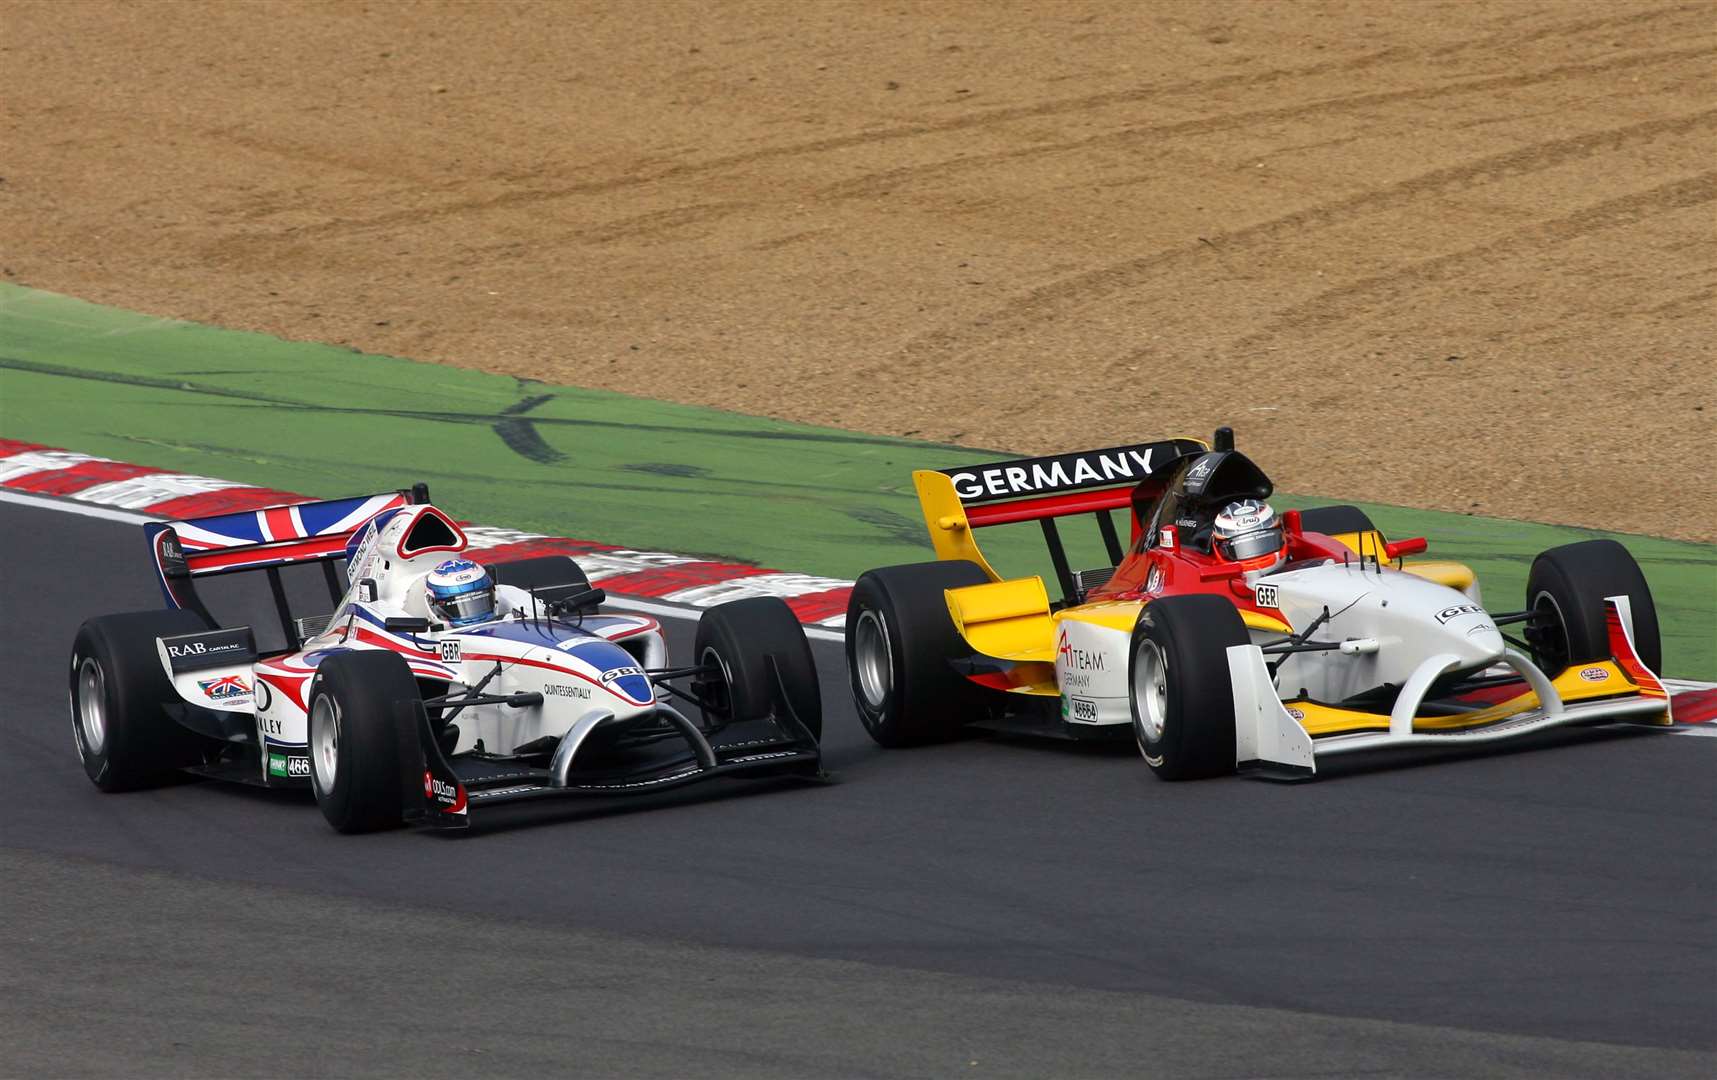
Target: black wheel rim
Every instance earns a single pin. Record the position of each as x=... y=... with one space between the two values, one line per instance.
x=1547 y=634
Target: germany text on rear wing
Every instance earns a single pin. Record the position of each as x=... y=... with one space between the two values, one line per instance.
x=266 y=540
x=1097 y=482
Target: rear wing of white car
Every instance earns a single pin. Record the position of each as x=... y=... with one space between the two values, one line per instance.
x=1269 y=739
x=266 y=540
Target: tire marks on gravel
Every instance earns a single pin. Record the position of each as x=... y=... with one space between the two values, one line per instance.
x=1048 y=302
x=877 y=183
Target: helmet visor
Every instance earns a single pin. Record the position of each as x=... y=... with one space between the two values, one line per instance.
x=467 y=607
x=1251 y=545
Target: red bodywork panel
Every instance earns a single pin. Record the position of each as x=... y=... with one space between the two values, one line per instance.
x=1185 y=571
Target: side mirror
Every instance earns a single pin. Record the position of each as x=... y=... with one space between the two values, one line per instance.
x=1405 y=547
x=405 y=625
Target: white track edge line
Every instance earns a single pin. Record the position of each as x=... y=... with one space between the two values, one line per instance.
x=66 y=506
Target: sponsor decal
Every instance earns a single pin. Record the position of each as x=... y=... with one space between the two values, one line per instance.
x=229 y=688
x=170 y=548
x=1084 y=709
x=439 y=790
x=268 y=725
x=1457 y=611
x=1200 y=468
x=450 y=652
x=1076 y=664
x=1063 y=472
x=1267 y=596
x=446 y=797
x=497 y=793
x=288 y=765
x=1295 y=713
x=215 y=648
x=560 y=690
x=620 y=673
x=1594 y=674
x=264 y=696
x=1154 y=579
x=363 y=551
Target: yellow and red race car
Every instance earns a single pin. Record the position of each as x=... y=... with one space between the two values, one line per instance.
x=1224 y=635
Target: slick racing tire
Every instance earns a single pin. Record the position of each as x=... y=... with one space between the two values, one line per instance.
x=737 y=638
x=1565 y=592
x=544 y=572
x=1335 y=520
x=1182 y=697
x=900 y=638
x=354 y=746
x=118 y=690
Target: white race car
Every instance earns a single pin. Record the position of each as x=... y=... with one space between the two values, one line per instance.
x=1226 y=636
x=435 y=683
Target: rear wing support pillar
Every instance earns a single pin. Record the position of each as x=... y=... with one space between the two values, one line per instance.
x=1058 y=558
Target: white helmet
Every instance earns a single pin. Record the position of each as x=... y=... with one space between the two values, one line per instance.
x=1249 y=532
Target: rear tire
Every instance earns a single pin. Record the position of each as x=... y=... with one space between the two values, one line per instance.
x=1181 y=692
x=1566 y=589
x=900 y=638
x=119 y=689
x=739 y=637
x=354 y=745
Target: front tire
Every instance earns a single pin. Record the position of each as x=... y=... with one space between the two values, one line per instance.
x=1565 y=591
x=354 y=746
x=1181 y=692
x=900 y=638
x=124 y=736
x=738 y=637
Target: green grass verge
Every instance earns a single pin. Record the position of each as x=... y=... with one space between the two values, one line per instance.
x=323 y=420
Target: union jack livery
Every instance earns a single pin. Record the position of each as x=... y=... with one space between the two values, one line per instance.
x=425 y=683
x=1222 y=635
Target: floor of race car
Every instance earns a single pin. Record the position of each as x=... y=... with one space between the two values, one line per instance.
x=997 y=906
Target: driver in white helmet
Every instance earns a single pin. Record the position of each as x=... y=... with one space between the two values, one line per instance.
x=1249 y=532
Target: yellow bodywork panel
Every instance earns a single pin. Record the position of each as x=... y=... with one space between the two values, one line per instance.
x=1122 y=614
x=950 y=532
x=1006 y=619
x=1114 y=614
x=1578 y=683
x=1457 y=576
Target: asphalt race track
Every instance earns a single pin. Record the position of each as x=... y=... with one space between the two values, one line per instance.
x=992 y=907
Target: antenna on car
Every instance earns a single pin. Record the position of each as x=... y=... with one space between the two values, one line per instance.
x=1224 y=439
